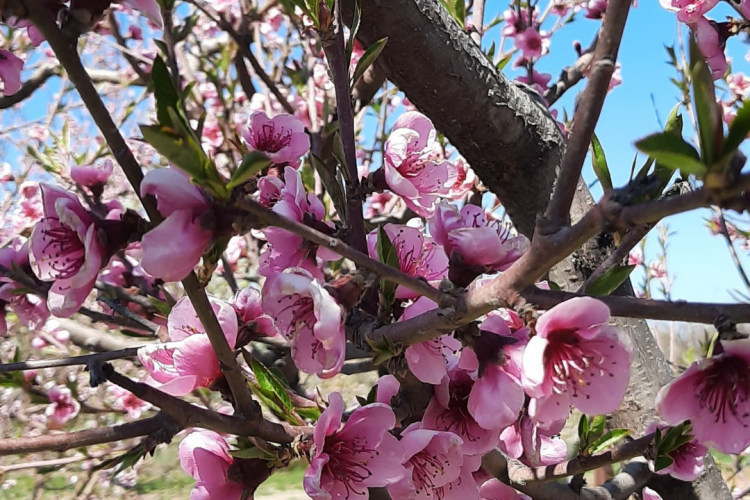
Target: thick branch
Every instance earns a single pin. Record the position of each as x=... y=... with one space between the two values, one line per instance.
x=588 y=111
x=80 y=439
x=502 y=132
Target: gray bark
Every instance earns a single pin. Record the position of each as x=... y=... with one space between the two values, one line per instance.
x=515 y=147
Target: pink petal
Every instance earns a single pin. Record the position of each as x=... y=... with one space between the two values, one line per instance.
x=494 y=489
x=10 y=72
x=179 y=234
x=173 y=191
x=496 y=399
x=576 y=314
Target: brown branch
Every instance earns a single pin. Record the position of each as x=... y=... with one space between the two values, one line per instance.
x=571 y=75
x=80 y=439
x=334 y=48
x=95 y=340
x=588 y=111
x=65 y=50
x=520 y=473
x=188 y=415
x=227 y=358
x=125 y=296
x=631 y=307
x=545 y=252
x=56 y=462
x=130 y=352
x=385 y=271
x=630 y=240
x=477 y=19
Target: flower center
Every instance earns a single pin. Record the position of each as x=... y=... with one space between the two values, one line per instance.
x=271 y=141
x=348 y=461
x=571 y=364
x=64 y=249
x=723 y=387
x=300 y=314
x=457 y=415
x=427 y=468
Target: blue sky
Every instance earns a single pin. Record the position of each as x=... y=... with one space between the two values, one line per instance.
x=700 y=262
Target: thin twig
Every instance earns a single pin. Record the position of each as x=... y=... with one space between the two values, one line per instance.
x=588 y=111
x=477 y=19
x=81 y=439
x=334 y=47
x=383 y=270
x=101 y=357
x=56 y=462
x=733 y=251
x=130 y=315
x=630 y=240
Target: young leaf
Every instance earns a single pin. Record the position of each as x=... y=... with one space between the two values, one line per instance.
x=458 y=11
x=174 y=148
x=387 y=255
x=334 y=188
x=609 y=281
x=504 y=62
x=597 y=425
x=673 y=152
x=662 y=462
x=160 y=306
x=599 y=162
x=369 y=57
x=164 y=91
x=583 y=431
x=708 y=114
x=353 y=32
x=491 y=52
x=251 y=164
x=738 y=130
x=270 y=385
x=608 y=440
x=309 y=413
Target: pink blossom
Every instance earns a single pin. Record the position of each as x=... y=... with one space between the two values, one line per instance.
x=282 y=138
x=530 y=42
x=181 y=233
x=559 y=7
x=91 y=175
x=309 y=318
x=62 y=407
x=576 y=359
x=538 y=80
x=688 y=459
x=657 y=269
x=205 y=456
x=360 y=454
x=464 y=487
x=689 y=11
x=595 y=9
x=478 y=240
x=285 y=249
x=739 y=84
x=494 y=489
x=247 y=304
x=65 y=248
x=188 y=361
x=714 y=394
x=462 y=179
x=33 y=33
x=433 y=459
x=212 y=137
x=10 y=72
x=635 y=257
x=649 y=494
x=531 y=444
x=449 y=411
x=708 y=41
x=511 y=22
x=411 y=168
x=269 y=190
x=418 y=255
x=387 y=388
x=30 y=309
x=427 y=360
x=129 y=403
x=148 y=8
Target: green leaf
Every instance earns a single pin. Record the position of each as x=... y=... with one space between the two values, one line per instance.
x=491 y=52
x=503 y=62
x=309 y=413
x=708 y=115
x=387 y=255
x=662 y=462
x=608 y=440
x=334 y=188
x=738 y=130
x=458 y=11
x=609 y=281
x=251 y=164
x=353 y=32
x=252 y=452
x=597 y=425
x=599 y=162
x=338 y=153
x=369 y=57
x=664 y=173
x=583 y=430
x=271 y=385
x=175 y=149
x=164 y=91
x=160 y=306
x=673 y=152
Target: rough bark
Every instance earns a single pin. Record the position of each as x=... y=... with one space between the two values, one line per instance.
x=515 y=148
x=507 y=136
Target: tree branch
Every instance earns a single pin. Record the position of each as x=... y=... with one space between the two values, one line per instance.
x=130 y=352
x=269 y=217
x=334 y=48
x=89 y=437
x=630 y=240
x=588 y=111
x=571 y=75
